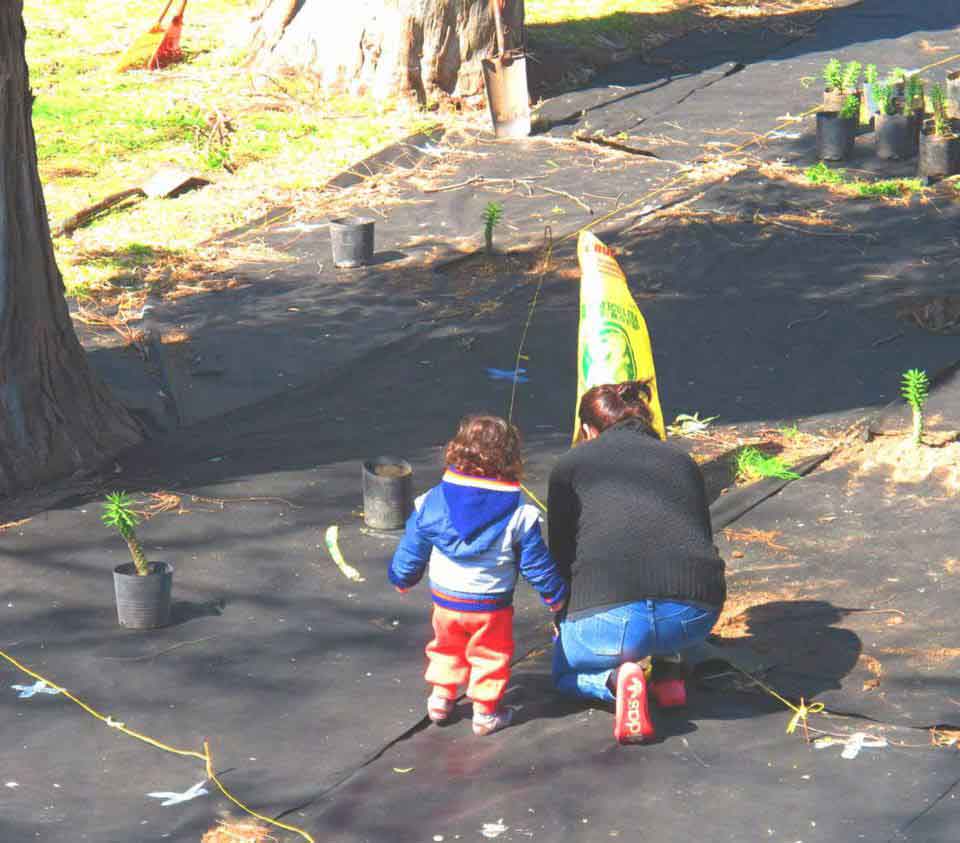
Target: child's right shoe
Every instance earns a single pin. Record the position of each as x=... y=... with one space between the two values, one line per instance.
x=487 y=724
x=439 y=708
x=633 y=723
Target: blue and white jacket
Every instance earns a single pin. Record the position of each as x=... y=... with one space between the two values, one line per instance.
x=475 y=534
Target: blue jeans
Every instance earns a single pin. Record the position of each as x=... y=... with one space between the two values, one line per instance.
x=589 y=649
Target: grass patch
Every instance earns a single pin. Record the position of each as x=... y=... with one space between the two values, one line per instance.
x=99 y=131
x=751 y=463
x=888 y=187
x=645 y=24
x=820 y=173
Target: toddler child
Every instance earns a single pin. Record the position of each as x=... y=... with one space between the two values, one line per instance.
x=475 y=532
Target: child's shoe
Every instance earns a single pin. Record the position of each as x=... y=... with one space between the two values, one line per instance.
x=487 y=724
x=439 y=708
x=632 y=723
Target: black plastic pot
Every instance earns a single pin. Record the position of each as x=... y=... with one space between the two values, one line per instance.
x=953 y=94
x=143 y=602
x=387 y=493
x=897 y=135
x=352 y=241
x=835 y=135
x=939 y=156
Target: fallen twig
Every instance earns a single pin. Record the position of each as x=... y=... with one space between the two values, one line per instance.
x=806 y=319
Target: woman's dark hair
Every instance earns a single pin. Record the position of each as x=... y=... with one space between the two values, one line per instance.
x=611 y=403
x=486 y=446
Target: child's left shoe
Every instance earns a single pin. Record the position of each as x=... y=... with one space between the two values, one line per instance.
x=633 y=723
x=486 y=724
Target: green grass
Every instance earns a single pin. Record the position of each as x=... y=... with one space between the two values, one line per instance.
x=624 y=23
x=888 y=187
x=884 y=188
x=99 y=131
x=790 y=431
x=752 y=464
x=822 y=174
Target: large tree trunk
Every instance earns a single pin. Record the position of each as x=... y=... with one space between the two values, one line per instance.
x=56 y=417
x=424 y=48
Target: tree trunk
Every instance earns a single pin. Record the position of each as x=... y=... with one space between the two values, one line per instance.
x=387 y=48
x=56 y=417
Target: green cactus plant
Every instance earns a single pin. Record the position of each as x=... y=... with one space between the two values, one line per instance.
x=913 y=94
x=941 y=122
x=850 y=81
x=851 y=107
x=886 y=101
x=870 y=74
x=915 y=388
x=118 y=513
x=833 y=75
x=492 y=215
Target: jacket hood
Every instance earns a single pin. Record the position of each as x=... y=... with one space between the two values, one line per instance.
x=468 y=514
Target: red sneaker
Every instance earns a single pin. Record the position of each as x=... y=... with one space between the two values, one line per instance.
x=669 y=693
x=633 y=723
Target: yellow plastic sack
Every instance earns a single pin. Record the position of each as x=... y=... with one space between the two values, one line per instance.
x=613 y=344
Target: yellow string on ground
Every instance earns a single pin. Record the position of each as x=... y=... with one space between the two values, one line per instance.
x=544 y=269
x=213 y=777
x=120 y=727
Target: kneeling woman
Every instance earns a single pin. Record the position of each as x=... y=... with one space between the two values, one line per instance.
x=630 y=529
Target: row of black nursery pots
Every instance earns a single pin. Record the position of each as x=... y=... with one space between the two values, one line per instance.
x=896 y=136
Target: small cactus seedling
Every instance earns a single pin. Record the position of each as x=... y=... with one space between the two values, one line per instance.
x=915 y=388
x=886 y=101
x=118 y=513
x=833 y=75
x=851 y=76
x=870 y=74
x=492 y=215
x=941 y=123
x=851 y=107
x=913 y=94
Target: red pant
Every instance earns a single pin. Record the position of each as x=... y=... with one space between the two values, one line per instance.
x=474 y=646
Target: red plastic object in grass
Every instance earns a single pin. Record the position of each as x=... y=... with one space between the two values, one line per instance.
x=159 y=46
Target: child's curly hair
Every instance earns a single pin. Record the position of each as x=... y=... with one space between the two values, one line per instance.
x=486 y=446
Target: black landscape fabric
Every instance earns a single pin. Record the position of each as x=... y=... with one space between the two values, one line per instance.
x=308 y=684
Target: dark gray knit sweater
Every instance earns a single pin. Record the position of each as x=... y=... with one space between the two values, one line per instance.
x=628 y=521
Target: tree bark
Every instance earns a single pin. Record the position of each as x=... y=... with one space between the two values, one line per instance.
x=386 y=48
x=56 y=417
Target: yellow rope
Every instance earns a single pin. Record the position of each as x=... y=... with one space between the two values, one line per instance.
x=120 y=727
x=544 y=269
x=534 y=498
x=213 y=777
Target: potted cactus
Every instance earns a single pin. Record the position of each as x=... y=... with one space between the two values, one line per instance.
x=840 y=81
x=142 y=588
x=953 y=94
x=939 y=144
x=836 y=130
x=897 y=126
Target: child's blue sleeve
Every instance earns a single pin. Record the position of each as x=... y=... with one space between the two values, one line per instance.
x=411 y=556
x=537 y=565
